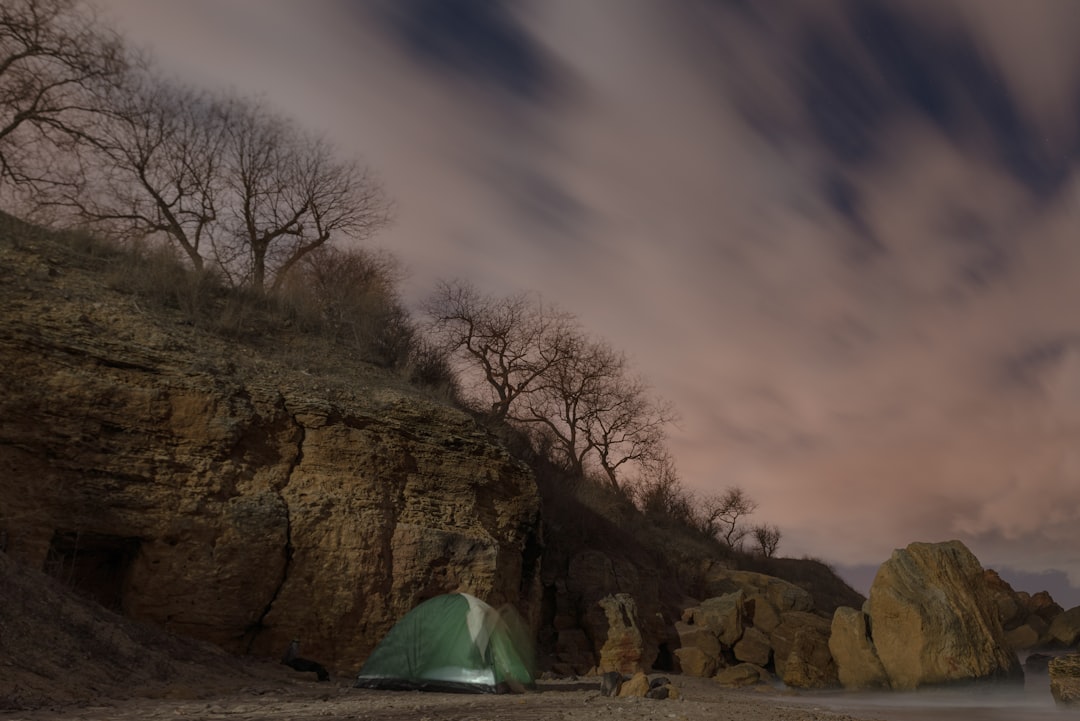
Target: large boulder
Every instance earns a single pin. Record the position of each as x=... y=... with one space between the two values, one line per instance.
x=858 y=665
x=785 y=636
x=1011 y=609
x=1065 y=680
x=763 y=615
x=754 y=647
x=1065 y=628
x=1043 y=605
x=637 y=686
x=809 y=663
x=934 y=621
x=699 y=650
x=723 y=615
x=1022 y=638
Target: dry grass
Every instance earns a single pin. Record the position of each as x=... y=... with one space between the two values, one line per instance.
x=344 y=302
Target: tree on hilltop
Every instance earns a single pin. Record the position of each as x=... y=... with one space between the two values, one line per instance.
x=722 y=515
x=153 y=164
x=288 y=195
x=223 y=178
x=536 y=368
x=513 y=342
x=767 y=538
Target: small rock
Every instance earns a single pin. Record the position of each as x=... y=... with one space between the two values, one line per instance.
x=659 y=681
x=638 y=686
x=610 y=683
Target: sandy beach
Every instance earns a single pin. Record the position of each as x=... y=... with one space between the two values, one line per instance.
x=277 y=694
x=283 y=698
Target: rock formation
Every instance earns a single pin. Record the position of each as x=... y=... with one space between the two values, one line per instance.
x=1065 y=680
x=625 y=648
x=934 y=621
x=1025 y=618
x=230 y=495
x=857 y=662
x=803 y=638
x=1065 y=628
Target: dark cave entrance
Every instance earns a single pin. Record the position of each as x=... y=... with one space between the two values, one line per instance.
x=94 y=565
x=665 y=659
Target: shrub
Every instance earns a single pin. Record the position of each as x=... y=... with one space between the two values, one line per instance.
x=351 y=295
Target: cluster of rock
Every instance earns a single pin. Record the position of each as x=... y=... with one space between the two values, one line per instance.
x=1027 y=618
x=765 y=626
x=934 y=616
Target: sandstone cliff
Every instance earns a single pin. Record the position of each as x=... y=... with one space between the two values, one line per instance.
x=238 y=494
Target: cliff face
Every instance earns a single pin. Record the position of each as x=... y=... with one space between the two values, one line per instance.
x=231 y=494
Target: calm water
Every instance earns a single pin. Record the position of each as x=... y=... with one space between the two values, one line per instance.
x=1031 y=703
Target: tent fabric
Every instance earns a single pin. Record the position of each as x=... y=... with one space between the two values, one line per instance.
x=454 y=642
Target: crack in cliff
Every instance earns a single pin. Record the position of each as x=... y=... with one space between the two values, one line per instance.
x=259 y=625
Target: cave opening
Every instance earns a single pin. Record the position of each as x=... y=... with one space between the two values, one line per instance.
x=94 y=565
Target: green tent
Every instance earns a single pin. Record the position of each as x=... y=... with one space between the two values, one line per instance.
x=452 y=643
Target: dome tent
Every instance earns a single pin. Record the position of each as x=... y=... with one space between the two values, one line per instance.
x=453 y=642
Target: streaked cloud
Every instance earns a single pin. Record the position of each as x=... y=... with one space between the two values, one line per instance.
x=841 y=236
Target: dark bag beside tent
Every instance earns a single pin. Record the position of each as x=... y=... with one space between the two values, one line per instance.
x=452 y=643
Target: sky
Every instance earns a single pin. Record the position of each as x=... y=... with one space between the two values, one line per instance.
x=843 y=238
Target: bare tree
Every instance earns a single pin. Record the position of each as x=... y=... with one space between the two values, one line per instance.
x=767 y=538
x=722 y=516
x=597 y=412
x=564 y=400
x=537 y=369
x=513 y=342
x=625 y=424
x=153 y=164
x=289 y=196
x=51 y=57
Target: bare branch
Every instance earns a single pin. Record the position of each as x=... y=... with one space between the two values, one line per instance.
x=53 y=59
x=513 y=342
x=152 y=164
x=290 y=195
